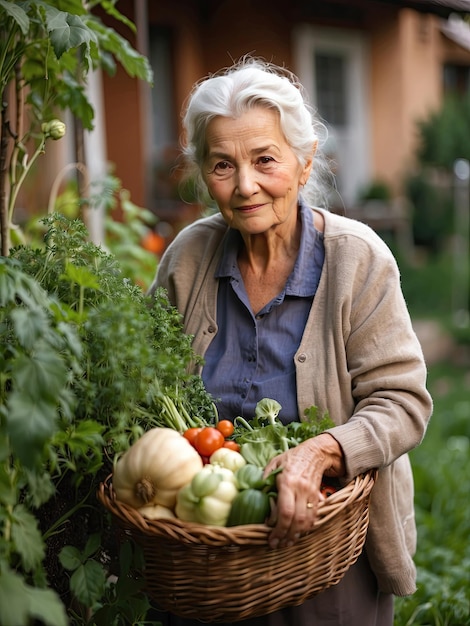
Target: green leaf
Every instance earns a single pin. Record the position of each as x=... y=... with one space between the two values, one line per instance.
x=92 y=545
x=67 y=31
x=29 y=328
x=14 y=599
x=109 y=7
x=125 y=558
x=19 y=602
x=47 y=607
x=88 y=582
x=4 y=447
x=18 y=14
x=81 y=276
x=135 y=64
x=42 y=374
x=8 y=494
x=70 y=558
x=41 y=487
x=30 y=422
x=27 y=538
x=71 y=95
x=7 y=284
x=70 y=335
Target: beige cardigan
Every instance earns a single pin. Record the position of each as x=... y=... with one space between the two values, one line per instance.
x=359 y=358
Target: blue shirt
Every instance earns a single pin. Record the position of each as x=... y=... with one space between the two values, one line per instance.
x=252 y=356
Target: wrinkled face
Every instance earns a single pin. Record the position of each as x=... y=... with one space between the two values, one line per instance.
x=252 y=172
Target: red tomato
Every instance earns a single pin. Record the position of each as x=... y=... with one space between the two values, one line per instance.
x=327 y=490
x=226 y=427
x=208 y=441
x=232 y=445
x=191 y=434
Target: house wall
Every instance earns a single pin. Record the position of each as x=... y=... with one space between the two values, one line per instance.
x=405 y=85
x=407 y=50
x=125 y=126
x=239 y=27
x=189 y=45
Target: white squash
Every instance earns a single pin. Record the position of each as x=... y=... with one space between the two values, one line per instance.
x=154 y=468
x=156 y=511
x=230 y=459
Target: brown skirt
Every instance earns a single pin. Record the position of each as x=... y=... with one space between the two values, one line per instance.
x=354 y=601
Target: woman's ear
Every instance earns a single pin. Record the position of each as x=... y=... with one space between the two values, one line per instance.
x=308 y=165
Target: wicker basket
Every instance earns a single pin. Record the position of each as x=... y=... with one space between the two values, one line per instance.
x=216 y=574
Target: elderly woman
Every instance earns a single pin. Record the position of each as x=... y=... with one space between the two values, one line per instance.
x=288 y=301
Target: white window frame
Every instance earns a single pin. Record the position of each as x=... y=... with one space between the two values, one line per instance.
x=349 y=146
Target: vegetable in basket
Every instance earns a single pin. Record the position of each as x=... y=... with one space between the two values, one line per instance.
x=156 y=511
x=265 y=436
x=154 y=468
x=207 y=499
x=252 y=505
x=231 y=459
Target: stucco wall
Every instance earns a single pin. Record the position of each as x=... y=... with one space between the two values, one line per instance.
x=405 y=84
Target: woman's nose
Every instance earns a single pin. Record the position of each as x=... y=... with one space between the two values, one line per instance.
x=247 y=183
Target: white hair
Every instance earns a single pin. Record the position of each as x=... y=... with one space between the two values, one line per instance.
x=253 y=82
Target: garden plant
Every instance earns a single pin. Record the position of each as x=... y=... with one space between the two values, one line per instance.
x=86 y=358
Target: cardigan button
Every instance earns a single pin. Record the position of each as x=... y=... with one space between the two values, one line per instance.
x=302 y=358
x=211 y=329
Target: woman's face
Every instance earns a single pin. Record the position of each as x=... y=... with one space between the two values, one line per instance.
x=252 y=172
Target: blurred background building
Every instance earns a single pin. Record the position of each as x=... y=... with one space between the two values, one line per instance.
x=373 y=69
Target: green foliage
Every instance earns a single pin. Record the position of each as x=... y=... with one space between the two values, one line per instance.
x=87 y=363
x=126 y=225
x=443 y=134
x=46 y=37
x=47 y=49
x=428 y=288
x=83 y=366
x=264 y=436
x=441 y=465
x=124 y=237
x=377 y=190
x=442 y=139
x=433 y=209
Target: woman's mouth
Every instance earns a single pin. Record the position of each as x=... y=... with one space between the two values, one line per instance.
x=248 y=208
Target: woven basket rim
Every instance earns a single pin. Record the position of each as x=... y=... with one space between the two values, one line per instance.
x=189 y=532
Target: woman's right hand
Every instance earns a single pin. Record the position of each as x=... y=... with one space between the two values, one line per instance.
x=298 y=486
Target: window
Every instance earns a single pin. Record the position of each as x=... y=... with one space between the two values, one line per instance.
x=164 y=132
x=330 y=73
x=333 y=66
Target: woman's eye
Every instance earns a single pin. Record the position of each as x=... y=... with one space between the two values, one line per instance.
x=265 y=160
x=222 y=166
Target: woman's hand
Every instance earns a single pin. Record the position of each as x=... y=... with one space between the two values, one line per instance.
x=298 y=486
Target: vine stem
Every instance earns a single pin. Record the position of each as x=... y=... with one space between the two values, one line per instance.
x=53 y=529
x=81 y=167
x=26 y=167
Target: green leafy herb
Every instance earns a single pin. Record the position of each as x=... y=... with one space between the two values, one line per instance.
x=265 y=436
x=89 y=362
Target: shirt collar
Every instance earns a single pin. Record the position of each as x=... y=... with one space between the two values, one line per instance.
x=303 y=280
